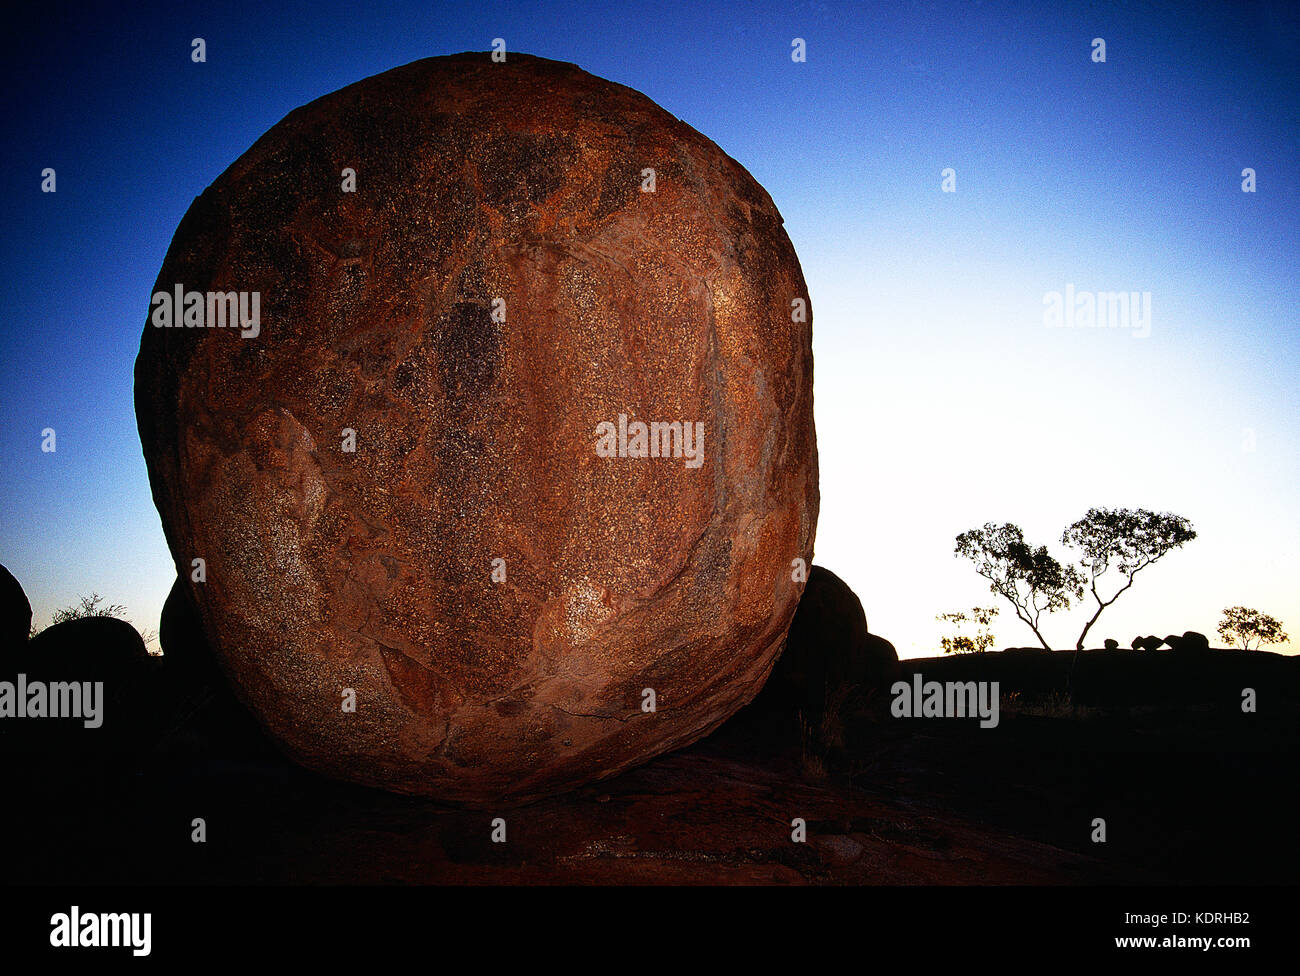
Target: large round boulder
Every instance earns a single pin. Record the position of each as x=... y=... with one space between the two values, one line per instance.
x=519 y=445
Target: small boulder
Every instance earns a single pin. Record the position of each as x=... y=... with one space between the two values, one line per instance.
x=1112 y=644
x=1150 y=642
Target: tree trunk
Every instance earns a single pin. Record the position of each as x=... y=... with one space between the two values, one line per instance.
x=1087 y=627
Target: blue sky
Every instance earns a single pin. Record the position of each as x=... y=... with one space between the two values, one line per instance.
x=942 y=399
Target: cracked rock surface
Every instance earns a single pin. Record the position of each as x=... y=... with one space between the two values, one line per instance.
x=498 y=286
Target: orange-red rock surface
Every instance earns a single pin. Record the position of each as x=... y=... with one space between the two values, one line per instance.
x=476 y=433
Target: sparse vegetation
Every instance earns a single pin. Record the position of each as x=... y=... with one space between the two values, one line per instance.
x=978 y=643
x=1241 y=625
x=90 y=606
x=1048 y=704
x=822 y=737
x=811 y=763
x=94 y=606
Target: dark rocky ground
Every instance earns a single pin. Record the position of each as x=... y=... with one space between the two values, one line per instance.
x=1192 y=792
x=1193 y=789
x=707 y=815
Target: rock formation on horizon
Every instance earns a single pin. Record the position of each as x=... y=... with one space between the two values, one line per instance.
x=395 y=478
x=1190 y=642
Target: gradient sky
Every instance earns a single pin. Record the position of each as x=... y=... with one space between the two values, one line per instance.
x=942 y=399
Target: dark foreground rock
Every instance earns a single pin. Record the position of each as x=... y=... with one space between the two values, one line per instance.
x=91 y=647
x=208 y=721
x=498 y=566
x=1189 y=794
x=186 y=652
x=831 y=674
x=702 y=816
x=86 y=685
x=15 y=613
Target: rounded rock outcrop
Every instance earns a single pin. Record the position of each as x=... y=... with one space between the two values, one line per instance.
x=521 y=430
x=830 y=659
x=829 y=690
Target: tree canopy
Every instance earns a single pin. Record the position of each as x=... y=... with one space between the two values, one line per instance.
x=1241 y=625
x=1125 y=539
x=1120 y=542
x=1030 y=579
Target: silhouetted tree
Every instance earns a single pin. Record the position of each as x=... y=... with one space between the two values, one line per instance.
x=1128 y=539
x=962 y=644
x=1030 y=579
x=1243 y=624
